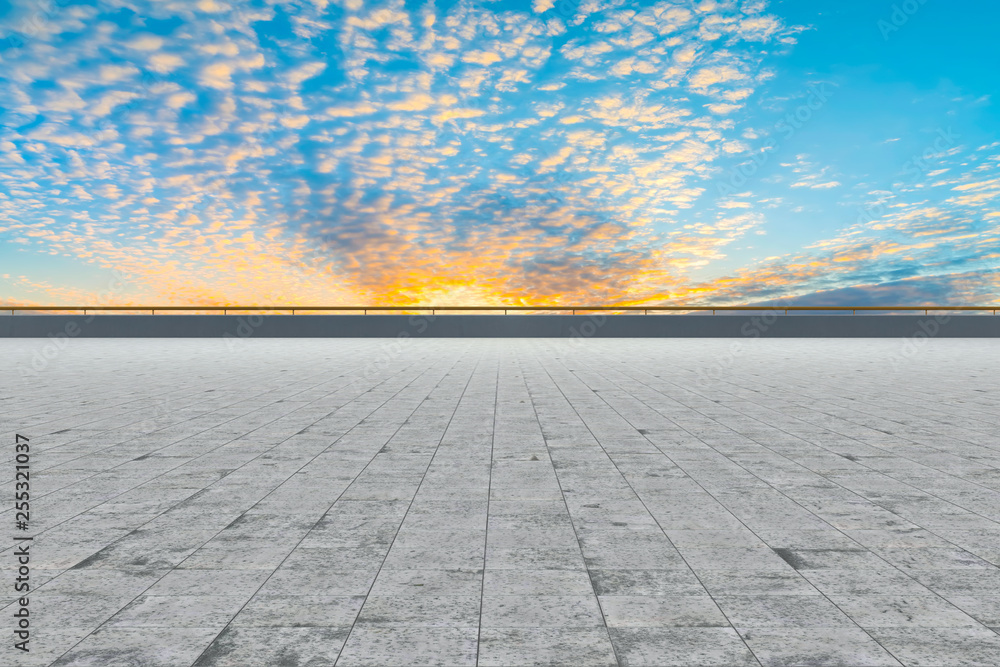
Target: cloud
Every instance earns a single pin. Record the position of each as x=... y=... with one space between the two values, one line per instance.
x=454 y=151
x=481 y=57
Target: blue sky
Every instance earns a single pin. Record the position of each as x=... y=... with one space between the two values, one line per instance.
x=537 y=152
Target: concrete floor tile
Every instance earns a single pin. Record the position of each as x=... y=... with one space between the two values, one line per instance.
x=428 y=582
x=520 y=647
x=905 y=611
x=681 y=647
x=660 y=611
x=421 y=610
x=763 y=582
x=268 y=610
x=782 y=611
x=646 y=582
x=378 y=646
x=326 y=582
x=984 y=607
x=791 y=647
x=537 y=582
x=179 y=611
x=321 y=505
x=883 y=581
x=541 y=611
x=240 y=647
x=534 y=558
x=744 y=559
x=127 y=647
x=923 y=647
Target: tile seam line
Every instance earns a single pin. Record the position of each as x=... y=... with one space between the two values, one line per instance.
x=166 y=472
x=172 y=569
x=790 y=398
x=166 y=446
x=756 y=657
x=849 y=437
x=597 y=598
x=890 y=653
x=897 y=397
x=223 y=407
x=266 y=579
x=489 y=492
x=258 y=375
x=898 y=405
x=252 y=375
x=686 y=406
x=897 y=411
x=415 y=492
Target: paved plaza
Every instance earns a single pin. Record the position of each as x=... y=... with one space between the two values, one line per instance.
x=690 y=502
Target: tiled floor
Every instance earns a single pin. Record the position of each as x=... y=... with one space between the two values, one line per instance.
x=506 y=502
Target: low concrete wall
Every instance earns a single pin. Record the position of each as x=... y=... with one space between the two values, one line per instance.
x=767 y=325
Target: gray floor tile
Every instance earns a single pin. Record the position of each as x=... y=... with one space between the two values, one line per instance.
x=299 y=611
x=922 y=647
x=126 y=647
x=517 y=647
x=421 y=610
x=782 y=611
x=179 y=611
x=240 y=647
x=512 y=501
x=903 y=611
x=537 y=582
x=428 y=582
x=681 y=647
x=661 y=611
x=376 y=646
x=541 y=611
x=788 y=647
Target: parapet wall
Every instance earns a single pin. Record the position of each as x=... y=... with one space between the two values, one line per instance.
x=763 y=325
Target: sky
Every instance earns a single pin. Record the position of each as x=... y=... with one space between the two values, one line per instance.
x=478 y=152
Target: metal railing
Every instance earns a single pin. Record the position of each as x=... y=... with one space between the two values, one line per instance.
x=506 y=309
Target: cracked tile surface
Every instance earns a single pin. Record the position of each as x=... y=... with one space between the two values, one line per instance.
x=508 y=502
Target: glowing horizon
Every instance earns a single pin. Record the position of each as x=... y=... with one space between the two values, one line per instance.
x=498 y=153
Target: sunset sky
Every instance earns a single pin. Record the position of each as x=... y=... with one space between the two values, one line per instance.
x=482 y=152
